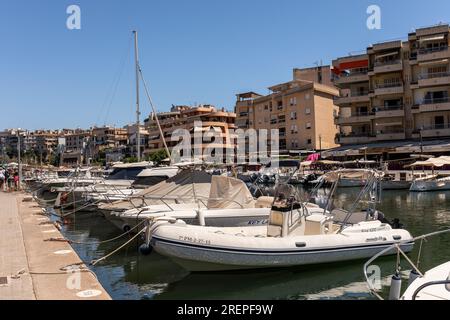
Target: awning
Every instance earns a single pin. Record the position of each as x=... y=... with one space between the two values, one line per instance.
x=432 y=38
x=387 y=55
x=434 y=62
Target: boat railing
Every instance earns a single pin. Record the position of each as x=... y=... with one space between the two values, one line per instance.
x=429 y=284
x=400 y=252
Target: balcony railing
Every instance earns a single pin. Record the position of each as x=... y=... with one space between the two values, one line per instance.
x=356 y=135
x=432 y=50
x=392 y=131
x=388 y=108
x=435 y=101
x=359 y=93
x=436 y=127
x=434 y=75
x=353 y=73
x=387 y=63
x=243 y=114
x=361 y=114
x=388 y=85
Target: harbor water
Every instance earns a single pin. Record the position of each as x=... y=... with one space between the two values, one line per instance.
x=129 y=275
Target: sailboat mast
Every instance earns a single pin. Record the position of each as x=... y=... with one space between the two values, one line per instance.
x=138 y=113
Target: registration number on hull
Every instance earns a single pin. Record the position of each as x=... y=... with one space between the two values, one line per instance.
x=194 y=240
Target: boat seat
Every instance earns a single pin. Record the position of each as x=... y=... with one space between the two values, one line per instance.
x=339 y=216
x=264 y=202
x=315 y=224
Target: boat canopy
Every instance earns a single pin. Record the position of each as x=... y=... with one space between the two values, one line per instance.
x=182 y=188
x=157 y=172
x=333 y=176
x=229 y=192
x=144 y=164
x=432 y=162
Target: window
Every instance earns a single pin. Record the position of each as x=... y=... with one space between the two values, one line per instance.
x=266 y=107
x=308 y=125
x=293 y=115
x=307 y=96
x=307 y=110
x=294 y=129
x=293 y=101
x=309 y=141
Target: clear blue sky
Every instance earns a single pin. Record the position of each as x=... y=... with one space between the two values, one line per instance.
x=196 y=51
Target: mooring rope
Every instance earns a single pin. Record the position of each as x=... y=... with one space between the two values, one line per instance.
x=94 y=262
x=97 y=242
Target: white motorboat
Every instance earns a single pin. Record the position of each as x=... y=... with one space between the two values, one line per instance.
x=432 y=183
x=435 y=181
x=229 y=203
x=125 y=180
x=292 y=237
x=431 y=285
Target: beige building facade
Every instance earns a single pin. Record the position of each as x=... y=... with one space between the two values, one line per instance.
x=194 y=119
x=397 y=90
x=302 y=110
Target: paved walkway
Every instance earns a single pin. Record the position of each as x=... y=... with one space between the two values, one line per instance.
x=13 y=256
x=36 y=268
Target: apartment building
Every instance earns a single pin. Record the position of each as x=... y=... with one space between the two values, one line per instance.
x=221 y=122
x=46 y=143
x=302 y=110
x=132 y=138
x=396 y=90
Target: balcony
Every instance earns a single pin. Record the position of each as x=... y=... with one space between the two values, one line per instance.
x=353 y=98
x=362 y=117
x=389 y=88
x=434 y=105
x=388 y=66
x=433 y=53
x=389 y=111
x=436 y=131
x=356 y=138
x=391 y=135
x=434 y=79
x=354 y=77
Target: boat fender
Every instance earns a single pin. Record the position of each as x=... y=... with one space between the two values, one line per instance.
x=413 y=275
x=145 y=249
x=396 y=287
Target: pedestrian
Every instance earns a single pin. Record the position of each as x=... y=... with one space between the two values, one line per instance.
x=16 y=181
x=7 y=180
x=2 y=179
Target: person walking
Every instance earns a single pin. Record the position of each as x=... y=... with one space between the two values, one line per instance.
x=7 y=180
x=16 y=181
x=2 y=179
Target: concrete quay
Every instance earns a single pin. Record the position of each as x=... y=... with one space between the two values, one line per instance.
x=31 y=266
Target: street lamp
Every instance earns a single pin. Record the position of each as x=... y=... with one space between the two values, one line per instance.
x=18 y=158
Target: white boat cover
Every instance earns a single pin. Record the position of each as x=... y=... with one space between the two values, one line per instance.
x=182 y=188
x=229 y=192
x=362 y=174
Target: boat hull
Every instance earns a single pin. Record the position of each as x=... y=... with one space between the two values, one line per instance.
x=197 y=251
x=424 y=186
x=395 y=185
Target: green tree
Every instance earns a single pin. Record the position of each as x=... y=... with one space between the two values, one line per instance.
x=158 y=156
